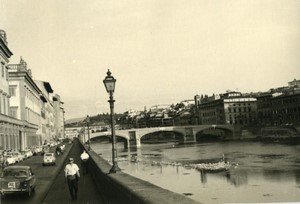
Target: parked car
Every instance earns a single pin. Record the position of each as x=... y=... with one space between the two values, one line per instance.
x=20 y=157
x=36 y=150
x=13 y=158
x=10 y=159
x=17 y=179
x=49 y=159
x=27 y=153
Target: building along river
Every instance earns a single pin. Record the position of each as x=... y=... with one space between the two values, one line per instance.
x=259 y=172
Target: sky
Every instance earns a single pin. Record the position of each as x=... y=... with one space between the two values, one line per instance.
x=159 y=51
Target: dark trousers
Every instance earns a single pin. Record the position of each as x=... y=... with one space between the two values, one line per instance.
x=84 y=166
x=73 y=187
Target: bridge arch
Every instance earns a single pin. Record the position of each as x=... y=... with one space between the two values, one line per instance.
x=119 y=138
x=108 y=134
x=162 y=136
x=213 y=133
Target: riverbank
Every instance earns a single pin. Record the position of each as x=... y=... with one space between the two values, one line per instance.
x=270 y=133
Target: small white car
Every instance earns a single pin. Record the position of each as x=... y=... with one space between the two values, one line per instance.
x=36 y=150
x=10 y=160
x=20 y=157
x=27 y=153
x=49 y=159
x=14 y=156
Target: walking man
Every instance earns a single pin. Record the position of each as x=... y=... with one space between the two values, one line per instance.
x=72 y=176
x=84 y=162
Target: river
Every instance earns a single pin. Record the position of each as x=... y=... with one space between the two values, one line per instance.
x=260 y=172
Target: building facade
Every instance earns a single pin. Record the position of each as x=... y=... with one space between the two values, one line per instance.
x=59 y=117
x=5 y=54
x=295 y=83
x=229 y=108
x=279 y=108
x=47 y=111
x=12 y=130
x=25 y=102
x=29 y=112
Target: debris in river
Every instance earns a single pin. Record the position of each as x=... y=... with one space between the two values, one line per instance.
x=216 y=166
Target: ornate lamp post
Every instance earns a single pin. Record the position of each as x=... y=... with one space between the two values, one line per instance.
x=109 y=83
x=88 y=129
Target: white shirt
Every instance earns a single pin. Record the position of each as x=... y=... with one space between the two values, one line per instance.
x=71 y=169
x=84 y=156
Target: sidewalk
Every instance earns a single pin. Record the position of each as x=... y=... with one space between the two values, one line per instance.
x=87 y=191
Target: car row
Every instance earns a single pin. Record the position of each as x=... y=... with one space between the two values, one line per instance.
x=9 y=157
x=20 y=178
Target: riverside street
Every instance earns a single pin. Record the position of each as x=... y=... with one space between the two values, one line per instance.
x=51 y=187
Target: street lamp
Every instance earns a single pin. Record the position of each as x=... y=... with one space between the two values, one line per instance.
x=88 y=127
x=109 y=83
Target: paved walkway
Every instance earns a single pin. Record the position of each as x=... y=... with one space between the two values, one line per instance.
x=87 y=191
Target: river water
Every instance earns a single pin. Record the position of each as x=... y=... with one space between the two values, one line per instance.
x=260 y=172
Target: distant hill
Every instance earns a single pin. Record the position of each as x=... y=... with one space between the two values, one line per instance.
x=74 y=120
x=97 y=119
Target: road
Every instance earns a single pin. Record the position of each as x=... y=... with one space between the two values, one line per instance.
x=51 y=187
x=45 y=176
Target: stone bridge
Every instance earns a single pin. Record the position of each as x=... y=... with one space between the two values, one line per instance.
x=132 y=137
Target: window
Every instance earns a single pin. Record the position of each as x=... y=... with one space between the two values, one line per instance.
x=12 y=90
x=1 y=139
x=4 y=105
x=6 y=70
x=13 y=111
x=2 y=67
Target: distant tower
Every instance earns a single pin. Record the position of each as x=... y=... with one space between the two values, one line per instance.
x=197 y=100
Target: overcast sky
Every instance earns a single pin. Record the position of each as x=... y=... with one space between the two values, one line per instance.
x=160 y=51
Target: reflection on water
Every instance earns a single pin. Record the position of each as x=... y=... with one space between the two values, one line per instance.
x=203 y=176
x=261 y=172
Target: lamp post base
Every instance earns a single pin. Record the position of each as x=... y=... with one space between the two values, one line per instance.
x=114 y=169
